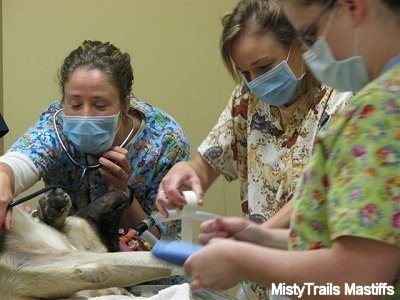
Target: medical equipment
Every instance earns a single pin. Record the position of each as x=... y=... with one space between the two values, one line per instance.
x=157 y=218
x=175 y=252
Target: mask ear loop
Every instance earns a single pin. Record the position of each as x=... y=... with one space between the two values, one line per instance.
x=356 y=43
x=330 y=21
x=120 y=121
x=290 y=51
x=302 y=64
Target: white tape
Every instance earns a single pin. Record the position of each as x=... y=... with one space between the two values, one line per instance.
x=188 y=212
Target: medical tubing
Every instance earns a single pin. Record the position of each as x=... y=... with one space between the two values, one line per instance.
x=48 y=188
x=157 y=218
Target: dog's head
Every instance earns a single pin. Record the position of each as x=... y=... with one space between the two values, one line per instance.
x=104 y=214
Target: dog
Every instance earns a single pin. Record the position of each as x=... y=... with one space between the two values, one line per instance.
x=63 y=257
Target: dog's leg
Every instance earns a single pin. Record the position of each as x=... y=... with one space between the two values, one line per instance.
x=103 y=215
x=63 y=273
x=53 y=207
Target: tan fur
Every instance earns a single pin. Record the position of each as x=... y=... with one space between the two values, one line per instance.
x=38 y=261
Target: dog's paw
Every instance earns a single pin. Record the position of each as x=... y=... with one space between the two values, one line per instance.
x=53 y=207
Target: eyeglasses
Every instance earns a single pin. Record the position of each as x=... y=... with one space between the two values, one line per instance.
x=307 y=37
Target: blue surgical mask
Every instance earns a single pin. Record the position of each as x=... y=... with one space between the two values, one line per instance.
x=346 y=75
x=93 y=134
x=276 y=87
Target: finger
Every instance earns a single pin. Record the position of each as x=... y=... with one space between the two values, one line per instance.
x=205 y=238
x=170 y=198
x=26 y=208
x=196 y=187
x=117 y=182
x=175 y=196
x=121 y=175
x=161 y=209
x=195 y=284
x=114 y=150
x=166 y=203
x=228 y=224
x=161 y=203
x=173 y=187
x=7 y=220
x=118 y=158
x=120 y=171
x=210 y=225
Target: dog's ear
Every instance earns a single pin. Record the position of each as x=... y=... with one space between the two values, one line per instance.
x=105 y=214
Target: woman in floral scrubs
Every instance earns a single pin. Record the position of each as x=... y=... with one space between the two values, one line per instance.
x=345 y=227
x=96 y=82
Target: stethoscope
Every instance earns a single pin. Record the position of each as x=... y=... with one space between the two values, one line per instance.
x=85 y=168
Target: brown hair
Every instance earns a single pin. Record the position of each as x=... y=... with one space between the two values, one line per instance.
x=260 y=17
x=105 y=57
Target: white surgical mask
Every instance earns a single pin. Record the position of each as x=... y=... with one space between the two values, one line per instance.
x=346 y=75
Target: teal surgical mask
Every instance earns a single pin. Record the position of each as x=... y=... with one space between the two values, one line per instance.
x=90 y=134
x=277 y=86
x=346 y=75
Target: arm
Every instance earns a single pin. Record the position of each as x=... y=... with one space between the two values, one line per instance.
x=17 y=173
x=243 y=230
x=196 y=175
x=350 y=260
x=6 y=195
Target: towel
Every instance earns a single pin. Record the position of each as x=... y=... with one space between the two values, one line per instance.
x=174 y=292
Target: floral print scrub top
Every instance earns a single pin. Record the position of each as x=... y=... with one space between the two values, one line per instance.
x=248 y=143
x=159 y=144
x=351 y=185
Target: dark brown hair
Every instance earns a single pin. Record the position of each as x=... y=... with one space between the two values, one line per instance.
x=105 y=57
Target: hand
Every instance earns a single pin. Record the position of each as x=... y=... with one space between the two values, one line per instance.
x=214 y=266
x=26 y=208
x=182 y=176
x=115 y=168
x=5 y=217
x=243 y=230
x=229 y=227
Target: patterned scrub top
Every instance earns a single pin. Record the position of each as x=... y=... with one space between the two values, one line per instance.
x=351 y=185
x=248 y=143
x=159 y=144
